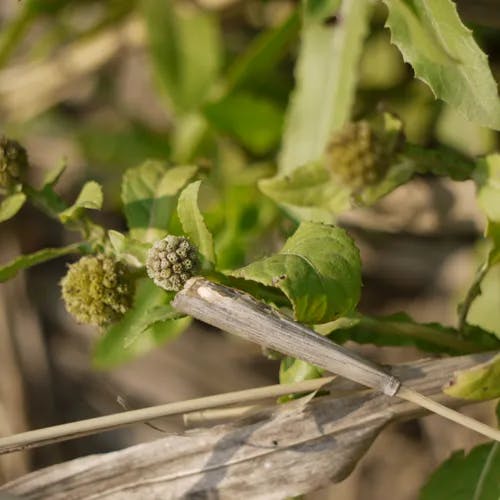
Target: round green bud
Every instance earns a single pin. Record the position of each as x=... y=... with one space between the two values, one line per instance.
x=13 y=163
x=357 y=157
x=97 y=290
x=171 y=262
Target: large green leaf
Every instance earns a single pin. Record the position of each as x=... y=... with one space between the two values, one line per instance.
x=11 y=205
x=186 y=50
x=149 y=197
x=10 y=269
x=479 y=382
x=443 y=53
x=475 y=476
x=193 y=223
x=400 y=330
x=148 y=324
x=318 y=269
x=326 y=73
x=90 y=197
x=255 y=121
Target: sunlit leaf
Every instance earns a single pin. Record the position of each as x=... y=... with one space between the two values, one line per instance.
x=90 y=197
x=10 y=205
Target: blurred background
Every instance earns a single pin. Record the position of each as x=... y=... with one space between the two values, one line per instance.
x=106 y=84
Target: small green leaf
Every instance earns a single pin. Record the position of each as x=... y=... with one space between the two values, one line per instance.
x=54 y=174
x=326 y=73
x=318 y=269
x=186 y=50
x=193 y=223
x=90 y=197
x=125 y=246
x=9 y=270
x=443 y=53
x=255 y=121
x=141 y=329
x=295 y=370
x=467 y=477
x=487 y=177
x=440 y=161
x=310 y=185
x=11 y=205
x=148 y=196
x=479 y=382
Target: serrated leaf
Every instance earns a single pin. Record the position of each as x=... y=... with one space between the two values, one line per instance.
x=11 y=205
x=186 y=50
x=10 y=269
x=318 y=269
x=443 y=53
x=253 y=120
x=126 y=247
x=194 y=225
x=401 y=330
x=487 y=177
x=310 y=185
x=149 y=197
x=474 y=476
x=140 y=329
x=90 y=197
x=478 y=383
x=325 y=73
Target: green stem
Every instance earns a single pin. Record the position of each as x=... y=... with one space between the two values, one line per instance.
x=473 y=292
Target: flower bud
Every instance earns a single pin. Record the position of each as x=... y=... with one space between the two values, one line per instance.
x=357 y=156
x=97 y=290
x=171 y=262
x=13 y=163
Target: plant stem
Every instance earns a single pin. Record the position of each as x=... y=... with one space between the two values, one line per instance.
x=473 y=292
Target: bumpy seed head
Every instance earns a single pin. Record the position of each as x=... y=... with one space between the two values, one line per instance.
x=357 y=157
x=97 y=290
x=171 y=262
x=13 y=163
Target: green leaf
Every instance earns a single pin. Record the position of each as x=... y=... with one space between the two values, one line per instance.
x=480 y=382
x=443 y=53
x=487 y=177
x=467 y=477
x=255 y=121
x=440 y=161
x=318 y=269
x=295 y=370
x=10 y=269
x=54 y=174
x=186 y=50
x=326 y=73
x=148 y=196
x=142 y=328
x=194 y=225
x=90 y=197
x=263 y=54
x=400 y=330
x=11 y=205
x=310 y=185
x=128 y=248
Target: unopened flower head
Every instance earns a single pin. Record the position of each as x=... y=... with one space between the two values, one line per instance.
x=171 y=262
x=13 y=163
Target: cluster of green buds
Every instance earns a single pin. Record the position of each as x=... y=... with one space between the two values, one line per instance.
x=97 y=290
x=358 y=156
x=171 y=262
x=13 y=163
